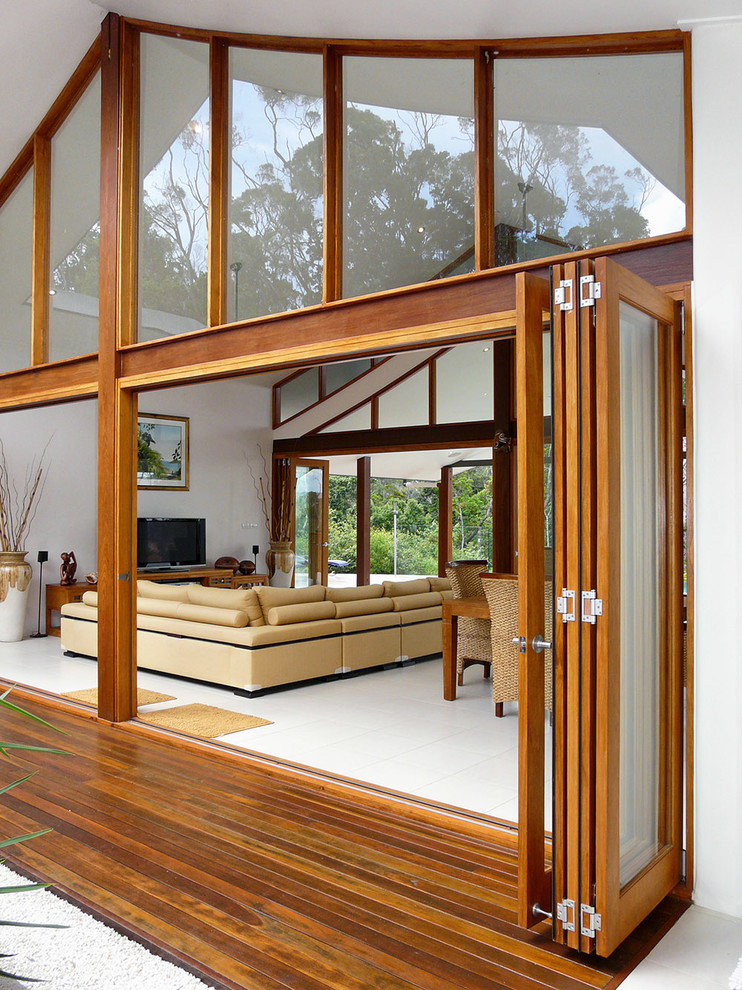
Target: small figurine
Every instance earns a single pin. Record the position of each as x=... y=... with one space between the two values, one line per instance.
x=67 y=569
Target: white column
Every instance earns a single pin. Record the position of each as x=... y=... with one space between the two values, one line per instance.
x=717 y=310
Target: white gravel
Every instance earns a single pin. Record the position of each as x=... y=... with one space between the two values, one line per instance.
x=87 y=955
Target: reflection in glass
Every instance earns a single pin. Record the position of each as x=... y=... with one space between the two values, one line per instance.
x=16 y=226
x=174 y=192
x=408 y=171
x=276 y=224
x=640 y=594
x=589 y=152
x=464 y=383
x=75 y=230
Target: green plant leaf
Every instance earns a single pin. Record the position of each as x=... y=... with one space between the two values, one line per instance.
x=22 y=711
x=24 y=838
x=24 y=979
x=24 y=886
x=15 y=783
x=31 y=749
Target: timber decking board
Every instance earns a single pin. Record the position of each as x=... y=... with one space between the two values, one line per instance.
x=256 y=879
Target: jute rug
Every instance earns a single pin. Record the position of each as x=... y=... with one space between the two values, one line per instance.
x=202 y=720
x=90 y=697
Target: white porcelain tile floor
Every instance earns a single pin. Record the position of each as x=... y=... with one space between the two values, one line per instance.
x=393 y=729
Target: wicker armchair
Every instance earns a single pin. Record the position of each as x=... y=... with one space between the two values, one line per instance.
x=501 y=591
x=473 y=641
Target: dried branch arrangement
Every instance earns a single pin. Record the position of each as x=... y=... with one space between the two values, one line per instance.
x=278 y=514
x=18 y=506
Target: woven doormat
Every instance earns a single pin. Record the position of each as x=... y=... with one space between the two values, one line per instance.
x=90 y=697
x=202 y=720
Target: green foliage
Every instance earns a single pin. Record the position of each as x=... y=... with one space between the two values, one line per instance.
x=5 y=748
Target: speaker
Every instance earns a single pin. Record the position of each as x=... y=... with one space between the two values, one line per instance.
x=42 y=556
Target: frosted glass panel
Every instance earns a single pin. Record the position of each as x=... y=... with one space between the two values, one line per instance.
x=174 y=170
x=337 y=375
x=16 y=218
x=298 y=393
x=75 y=230
x=588 y=152
x=275 y=222
x=640 y=595
x=464 y=384
x=407 y=403
x=408 y=178
x=358 y=420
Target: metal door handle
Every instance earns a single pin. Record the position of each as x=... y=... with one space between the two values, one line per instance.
x=538 y=645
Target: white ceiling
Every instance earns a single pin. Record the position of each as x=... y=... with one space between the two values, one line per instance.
x=42 y=41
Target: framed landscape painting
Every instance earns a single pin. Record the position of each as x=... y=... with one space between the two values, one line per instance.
x=162 y=452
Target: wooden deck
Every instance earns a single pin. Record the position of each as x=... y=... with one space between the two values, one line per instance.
x=260 y=878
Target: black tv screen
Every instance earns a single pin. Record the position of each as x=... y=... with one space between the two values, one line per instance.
x=171 y=542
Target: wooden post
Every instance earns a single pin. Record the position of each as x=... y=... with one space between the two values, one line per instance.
x=116 y=409
x=503 y=558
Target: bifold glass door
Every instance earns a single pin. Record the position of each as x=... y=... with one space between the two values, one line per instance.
x=599 y=471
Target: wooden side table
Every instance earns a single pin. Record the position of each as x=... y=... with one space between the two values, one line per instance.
x=58 y=595
x=248 y=580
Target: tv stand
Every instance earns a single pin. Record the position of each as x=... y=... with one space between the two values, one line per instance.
x=211 y=577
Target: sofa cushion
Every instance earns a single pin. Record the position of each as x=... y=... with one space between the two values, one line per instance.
x=243 y=599
x=440 y=583
x=168 y=592
x=185 y=612
x=90 y=598
x=393 y=589
x=275 y=597
x=363 y=593
x=284 y=615
x=367 y=606
x=404 y=603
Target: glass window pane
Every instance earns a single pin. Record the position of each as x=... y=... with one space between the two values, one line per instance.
x=298 y=393
x=276 y=211
x=337 y=375
x=407 y=403
x=408 y=171
x=75 y=230
x=640 y=594
x=464 y=381
x=360 y=419
x=16 y=227
x=472 y=513
x=589 y=152
x=174 y=170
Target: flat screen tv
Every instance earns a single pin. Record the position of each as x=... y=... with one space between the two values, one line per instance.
x=163 y=543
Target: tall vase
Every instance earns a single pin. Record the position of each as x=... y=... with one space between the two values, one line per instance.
x=15 y=579
x=279 y=559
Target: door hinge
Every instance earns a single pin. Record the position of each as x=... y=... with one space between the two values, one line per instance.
x=565 y=911
x=590 y=922
x=563 y=295
x=589 y=290
x=591 y=607
x=565 y=605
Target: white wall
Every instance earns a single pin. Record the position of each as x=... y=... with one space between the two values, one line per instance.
x=717 y=247
x=67 y=514
x=227 y=419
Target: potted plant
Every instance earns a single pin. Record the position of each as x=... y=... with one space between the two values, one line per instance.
x=17 y=510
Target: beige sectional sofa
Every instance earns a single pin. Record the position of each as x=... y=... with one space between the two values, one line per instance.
x=253 y=639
